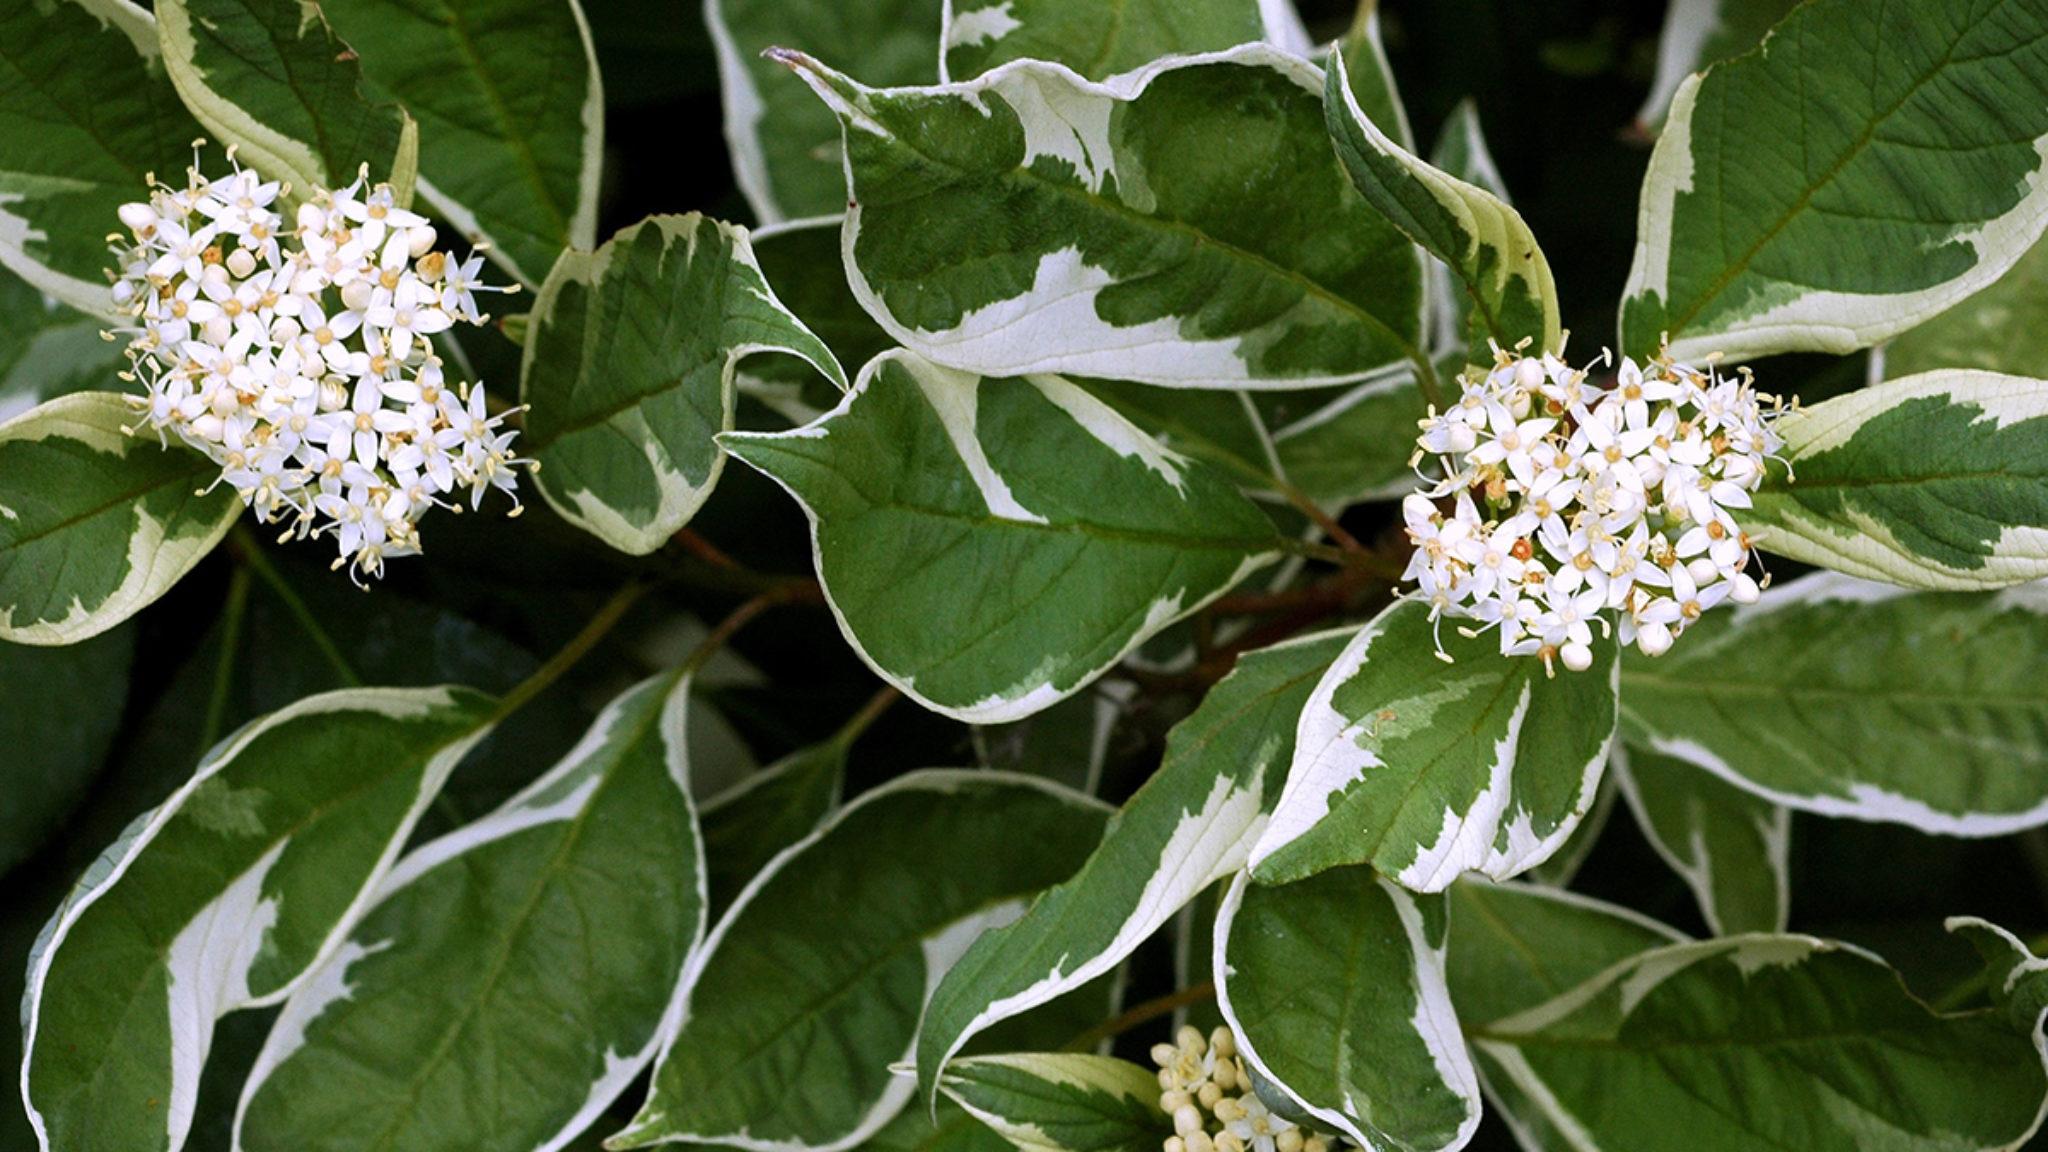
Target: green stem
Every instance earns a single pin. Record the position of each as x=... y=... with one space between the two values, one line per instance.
x=869 y=712
x=576 y=649
x=250 y=551
x=224 y=672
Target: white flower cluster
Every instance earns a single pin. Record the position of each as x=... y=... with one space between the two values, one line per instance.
x=297 y=356
x=1204 y=1088
x=1569 y=500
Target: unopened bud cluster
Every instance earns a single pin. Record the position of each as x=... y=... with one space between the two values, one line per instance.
x=1562 y=501
x=1204 y=1088
x=296 y=355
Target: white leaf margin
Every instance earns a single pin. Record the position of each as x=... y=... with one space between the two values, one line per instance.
x=1101 y=421
x=1436 y=1018
x=1867 y=802
x=1697 y=869
x=1283 y=29
x=1815 y=320
x=531 y=807
x=396 y=703
x=1328 y=759
x=1060 y=299
x=941 y=950
x=95 y=419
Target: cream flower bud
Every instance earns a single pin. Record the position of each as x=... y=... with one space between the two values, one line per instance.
x=420 y=240
x=1577 y=657
x=1223 y=1042
x=1187 y=1118
x=140 y=217
x=1744 y=589
x=1653 y=638
x=241 y=263
x=1173 y=1101
x=1200 y=1142
x=356 y=296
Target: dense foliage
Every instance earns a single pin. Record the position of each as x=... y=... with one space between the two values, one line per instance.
x=1059 y=575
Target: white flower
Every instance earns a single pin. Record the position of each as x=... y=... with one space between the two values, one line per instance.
x=1572 y=501
x=298 y=357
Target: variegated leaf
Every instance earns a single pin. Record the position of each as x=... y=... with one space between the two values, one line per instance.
x=1096 y=40
x=1224 y=428
x=1758 y=1042
x=1854 y=699
x=1731 y=848
x=1936 y=481
x=802 y=265
x=628 y=369
x=1427 y=770
x=2016 y=978
x=510 y=110
x=1061 y=1102
x=1699 y=33
x=270 y=78
x=784 y=145
x=1487 y=248
x=225 y=896
x=810 y=986
x=1189 y=826
x=2004 y=328
x=539 y=946
x=1335 y=988
x=991 y=546
x=1370 y=76
x=1515 y=946
x=1843 y=183
x=85 y=113
x=1184 y=224
x=96 y=523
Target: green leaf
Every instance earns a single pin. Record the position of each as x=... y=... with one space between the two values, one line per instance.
x=226 y=896
x=2013 y=974
x=48 y=349
x=785 y=147
x=1357 y=445
x=1698 y=33
x=1371 y=77
x=1062 y=1102
x=2000 y=329
x=811 y=985
x=1729 y=847
x=1938 y=481
x=1846 y=698
x=95 y=523
x=749 y=824
x=1189 y=826
x=85 y=114
x=1224 y=428
x=1514 y=946
x=269 y=78
x=1766 y=1042
x=63 y=706
x=1335 y=988
x=1096 y=40
x=628 y=368
x=1427 y=770
x=991 y=546
x=1484 y=243
x=1185 y=225
x=510 y=110
x=1844 y=182
x=947 y=1129
x=539 y=946
x=1562 y=868
x=802 y=264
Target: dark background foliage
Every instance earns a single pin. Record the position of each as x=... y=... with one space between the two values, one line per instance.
x=1557 y=85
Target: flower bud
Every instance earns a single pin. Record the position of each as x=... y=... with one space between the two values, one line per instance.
x=1186 y=1119
x=1653 y=638
x=1223 y=1042
x=1577 y=657
x=312 y=218
x=139 y=217
x=1745 y=590
x=241 y=262
x=356 y=296
x=419 y=241
x=1200 y=1142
